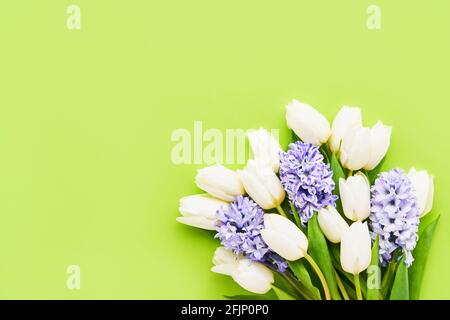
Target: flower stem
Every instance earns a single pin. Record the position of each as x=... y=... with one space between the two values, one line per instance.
x=341 y=287
x=320 y=275
x=281 y=211
x=350 y=173
x=296 y=216
x=358 y=287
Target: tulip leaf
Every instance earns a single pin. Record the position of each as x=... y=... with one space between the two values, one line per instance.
x=350 y=290
x=282 y=295
x=374 y=273
x=282 y=282
x=388 y=277
x=271 y=295
x=323 y=150
x=400 y=287
x=291 y=285
x=338 y=173
x=294 y=137
x=318 y=249
x=426 y=221
x=299 y=269
x=420 y=254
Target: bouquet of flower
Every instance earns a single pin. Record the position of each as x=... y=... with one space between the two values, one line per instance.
x=318 y=221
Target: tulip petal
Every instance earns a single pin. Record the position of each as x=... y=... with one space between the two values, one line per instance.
x=380 y=137
x=429 y=204
x=219 y=182
x=347 y=118
x=307 y=123
x=332 y=224
x=346 y=199
x=198 y=222
x=356 y=248
x=265 y=148
x=253 y=276
x=255 y=190
x=225 y=269
x=201 y=205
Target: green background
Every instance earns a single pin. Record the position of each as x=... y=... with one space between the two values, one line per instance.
x=86 y=118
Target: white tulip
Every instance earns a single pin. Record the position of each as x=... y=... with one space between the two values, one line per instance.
x=346 y=119
x=332 y=224
x=250 y=275
x=253 y=276
x=423 y=185
x=225 y=261
x=284 y=237
x=355 y=196
x=308 y=123
x=262 y=184
x=380 y=139
x=356 y=248
x=265 y=148
x=220 y=182
x=200 y=211
x=355 y=148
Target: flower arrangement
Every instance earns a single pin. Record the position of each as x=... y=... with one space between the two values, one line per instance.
x=319 y=220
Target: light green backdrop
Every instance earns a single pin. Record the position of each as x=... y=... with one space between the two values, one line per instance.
x=86 y=118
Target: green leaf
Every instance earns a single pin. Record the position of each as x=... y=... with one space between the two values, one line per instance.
x=426 y=221
x=299 y=269
x=323 y=150
x=338 y=173
x=294 y=137
x=374 y=293
x=388 y=277
x=284 y=284
x=350 y=290
x=400 y=288
x=420 y=254
x=318 y=249
x=282 y=295
x=271 y=295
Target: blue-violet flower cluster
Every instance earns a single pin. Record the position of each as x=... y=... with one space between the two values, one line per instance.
x=239 y=229
x=307 y=180
x=394 y=215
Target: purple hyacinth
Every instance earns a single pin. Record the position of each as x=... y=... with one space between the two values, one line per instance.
x=239 y=229
x=307 y=179
x=394 y=215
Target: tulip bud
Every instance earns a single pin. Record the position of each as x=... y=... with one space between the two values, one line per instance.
x=332 y=224
x=284 y=237
x=225 y=261
x=423 y=185
x=356 y=248
x=308 y=123
x=250 y=275
x=380 y=138
x=265 y=148
x=355 y=148
x=253 y=276
x=200 y=211
x=355 y=196
x=220 y=182
x=346 y=119
x=262 y=184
